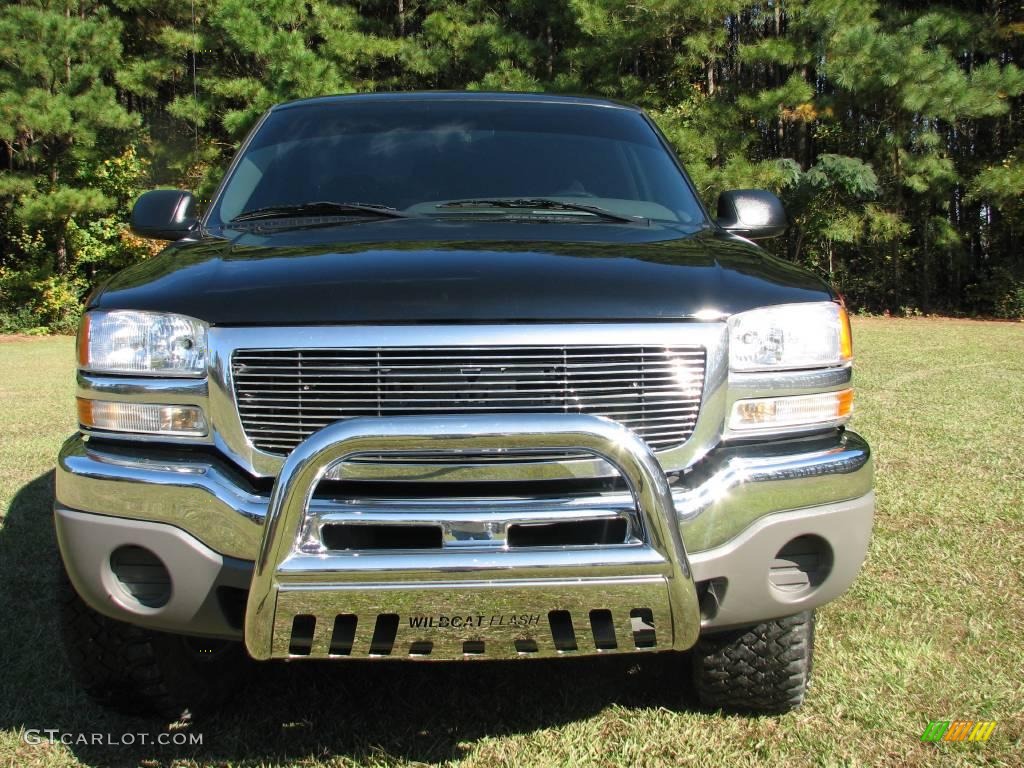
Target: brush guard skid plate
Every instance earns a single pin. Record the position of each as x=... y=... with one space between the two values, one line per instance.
x=309 y=602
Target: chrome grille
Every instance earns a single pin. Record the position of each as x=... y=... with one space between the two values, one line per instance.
x=284 y=395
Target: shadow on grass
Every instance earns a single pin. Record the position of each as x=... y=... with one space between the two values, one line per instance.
x=420 y=712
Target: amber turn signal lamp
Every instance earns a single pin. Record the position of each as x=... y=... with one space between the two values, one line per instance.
x=845 y=335
x=83 y=342
x=768 y=413
x=141 y=418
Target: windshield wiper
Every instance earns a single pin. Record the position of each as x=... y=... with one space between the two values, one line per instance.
x=540 y=204
x=319 y=208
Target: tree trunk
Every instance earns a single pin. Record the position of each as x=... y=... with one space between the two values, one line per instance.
x=67 y=59
x=60 y=250
x=802 y=151
x=60 y=255
x=551 y=51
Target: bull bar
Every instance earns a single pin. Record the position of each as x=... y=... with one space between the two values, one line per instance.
x=308 y=602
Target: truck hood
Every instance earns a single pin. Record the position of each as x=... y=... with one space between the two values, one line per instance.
x=436 y=271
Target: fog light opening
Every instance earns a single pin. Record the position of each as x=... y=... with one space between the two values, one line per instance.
x=141 y=575
x=801 y=566
x=710 y=595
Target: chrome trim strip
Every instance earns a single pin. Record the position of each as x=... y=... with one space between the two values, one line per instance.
x=748 y=385
x=282 y=561
x=422 y=567
x=138 y=389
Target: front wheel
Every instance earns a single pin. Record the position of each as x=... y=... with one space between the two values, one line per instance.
x=763 y=669
x=139 y=671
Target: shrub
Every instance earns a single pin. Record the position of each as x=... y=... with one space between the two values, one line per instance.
x=1011 y=304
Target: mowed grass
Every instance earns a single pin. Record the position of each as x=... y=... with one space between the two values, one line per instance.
x=933 y=628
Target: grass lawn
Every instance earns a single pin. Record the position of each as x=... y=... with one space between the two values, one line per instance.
x=933 y=629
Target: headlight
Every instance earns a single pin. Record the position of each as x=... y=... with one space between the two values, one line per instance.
x=147 y=343
x=814 y=335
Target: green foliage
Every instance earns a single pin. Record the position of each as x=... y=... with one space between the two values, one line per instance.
x=892 y=130
x=57 y=109
x=1011 y=304
x=33 y=294
x=1001 y=186
x=999 y=293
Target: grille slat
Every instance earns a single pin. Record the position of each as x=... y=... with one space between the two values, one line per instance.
x=477 y=394
x=291 y=431
x=438 y=373
x=614 y=391
x=459 y=407
x=285 y=395
x=323 y=422
x=466 y=353
x=455 y=404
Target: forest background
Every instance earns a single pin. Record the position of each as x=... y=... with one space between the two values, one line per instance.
x=893 y=131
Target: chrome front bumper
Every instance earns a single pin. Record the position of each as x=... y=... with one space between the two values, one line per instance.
x=474 y=598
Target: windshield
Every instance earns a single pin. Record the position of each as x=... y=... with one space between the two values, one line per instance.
x=416 y=156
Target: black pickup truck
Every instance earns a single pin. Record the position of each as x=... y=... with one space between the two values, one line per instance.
x=460 y=376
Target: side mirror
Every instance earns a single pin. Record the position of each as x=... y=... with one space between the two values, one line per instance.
x=751 y=213
x=164 y=214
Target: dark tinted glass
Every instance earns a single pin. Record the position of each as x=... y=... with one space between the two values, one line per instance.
x=414 y=155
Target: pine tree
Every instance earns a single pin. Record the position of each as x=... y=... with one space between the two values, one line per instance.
x=59 y=111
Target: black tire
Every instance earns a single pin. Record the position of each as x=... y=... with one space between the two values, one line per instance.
x=138 y=671
x=764 y=669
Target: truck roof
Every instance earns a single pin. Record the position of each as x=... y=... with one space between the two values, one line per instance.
x=484 y=96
